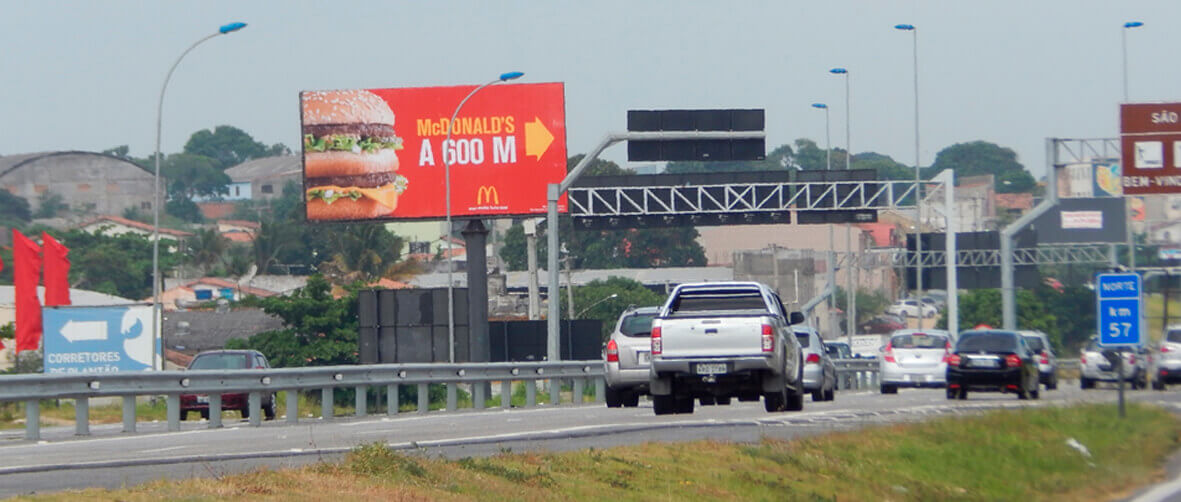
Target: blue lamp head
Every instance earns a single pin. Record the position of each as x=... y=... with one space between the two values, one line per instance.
x=821 y=106
x=512 y=75
x=1133 y=24
x=904 y=27
x=230 y=28
x=839 y=71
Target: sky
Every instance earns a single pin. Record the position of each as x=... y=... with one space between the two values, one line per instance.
x=83 y=75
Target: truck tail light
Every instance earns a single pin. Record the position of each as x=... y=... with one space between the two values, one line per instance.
x=1082 y=359
x=889 y=356
x=657 y=345
x=1164 y=348
x=1012 y=361
x=813 y=359
x=612 y=352
x=1045 y=357
x=768 y=338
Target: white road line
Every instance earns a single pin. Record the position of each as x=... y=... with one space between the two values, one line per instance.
x=158 y=450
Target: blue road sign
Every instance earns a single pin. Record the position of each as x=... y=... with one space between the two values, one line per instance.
x=1119 y=308
x=98 y=339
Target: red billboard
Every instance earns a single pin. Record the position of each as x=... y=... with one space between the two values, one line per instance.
x=378 y=154
x=1150 y=142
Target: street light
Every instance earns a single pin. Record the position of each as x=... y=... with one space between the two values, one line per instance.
x=918 y=199
x=504 y=77
x=827 y=138
x=832 y=273
x=851 y=302
x=156 y=307
x=583 y=311
x=1124 y=37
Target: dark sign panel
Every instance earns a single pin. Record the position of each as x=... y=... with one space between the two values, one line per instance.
x=1083 y=220
x=696 y=150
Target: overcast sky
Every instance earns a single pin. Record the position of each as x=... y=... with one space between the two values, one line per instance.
x=85 y=75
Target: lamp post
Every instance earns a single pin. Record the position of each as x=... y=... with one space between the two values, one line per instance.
x=504 y=77
x=1128 y=201
x=832 y=271
x=156 y=307
x=593 y=305
x=918 y=196
x=1124 y=38
x=851 y=303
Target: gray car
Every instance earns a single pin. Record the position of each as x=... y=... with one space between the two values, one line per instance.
x=820 y=374
x=627 y=355
x=1047 y=362
x=1095 y=367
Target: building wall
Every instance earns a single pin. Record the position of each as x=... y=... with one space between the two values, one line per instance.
x=88 y=182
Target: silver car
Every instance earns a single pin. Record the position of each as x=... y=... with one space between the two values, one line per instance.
x=1168 y=360
x=820 y=374
x=914 y=358
x=1047 y=362
x=627 y=356
x=1095 y=367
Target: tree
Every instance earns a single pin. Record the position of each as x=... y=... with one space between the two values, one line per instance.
x=14 y=209
x=50 y=205
x=229 y=146
x=593 y=300
x=809 y=156
x=359 y=251
x=318 y=329
x=118 y=265
x=983 y=306
x=191 y=175
x=183 y=209
x=886 y=167
x=980 y=158
x=206 y=248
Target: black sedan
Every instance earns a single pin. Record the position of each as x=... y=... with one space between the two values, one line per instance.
x=992 y=361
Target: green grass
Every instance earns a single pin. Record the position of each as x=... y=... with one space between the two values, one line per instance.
x=1003 y=455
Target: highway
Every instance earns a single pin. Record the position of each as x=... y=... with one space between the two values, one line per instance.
x=109 y=458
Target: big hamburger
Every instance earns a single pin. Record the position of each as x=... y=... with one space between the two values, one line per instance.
x=350 y=156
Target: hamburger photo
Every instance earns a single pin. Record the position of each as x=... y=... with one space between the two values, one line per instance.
x=350 y=156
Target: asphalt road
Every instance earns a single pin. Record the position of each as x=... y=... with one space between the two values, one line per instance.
x=109 y=458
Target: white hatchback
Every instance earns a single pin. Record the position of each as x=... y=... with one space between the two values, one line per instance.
x=914 y=358
x=912 y=308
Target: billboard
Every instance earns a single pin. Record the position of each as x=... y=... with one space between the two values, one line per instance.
x=1083 y=220
x=98 y=339
x=383 y=154
x=1150 y=144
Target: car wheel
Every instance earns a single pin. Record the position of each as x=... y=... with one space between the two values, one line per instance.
x=205 y=414
x=775 y=401
x=685 y=405
x=963 y=394
x=830 y=394
x=664 y=405
x=268 y=411
x=614 y=398
x=889 y=389
x=1053 y=383
x=723 y=401
x=952 y=393
x=1085 y=383
x=817 y=395
x=633 y=400
x=1158 y=384
x=1035 y=393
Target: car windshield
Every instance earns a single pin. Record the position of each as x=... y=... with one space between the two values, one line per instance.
x=220 y=362
x=987 y=342
x=637 y=325
x=1174 y=336
x=1035 y=343
x=918 y=341
x=837 y=350
x=803 y=337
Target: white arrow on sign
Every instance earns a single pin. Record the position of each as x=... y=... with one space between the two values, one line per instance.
x=76 y=331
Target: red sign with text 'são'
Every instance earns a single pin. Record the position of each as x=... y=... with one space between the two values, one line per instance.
x=1150 y=144
x=383 y=154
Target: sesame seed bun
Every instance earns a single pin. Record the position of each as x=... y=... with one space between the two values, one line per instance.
x=345 y=107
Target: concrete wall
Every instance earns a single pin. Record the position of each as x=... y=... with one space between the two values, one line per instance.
x=89 y=182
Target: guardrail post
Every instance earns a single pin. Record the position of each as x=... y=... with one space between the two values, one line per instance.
x=254 y=404
x=129 y=413
x=172 y=401
x=424 y=398
x=600 y=390
x=33 y=420
x=292 y=406
x=451 y=397
x=873 y=378
x=391 y=399
x=579 y=384
x=326 y=404
x=215 y=411
x=506 y=394
x=362 y=406
x=555 y=391
x=82 y=416
x=530 y=393
x=478 y=397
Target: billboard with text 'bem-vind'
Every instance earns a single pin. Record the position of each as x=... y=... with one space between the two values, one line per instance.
x=383 y=154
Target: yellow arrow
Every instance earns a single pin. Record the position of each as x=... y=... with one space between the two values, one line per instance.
x=537 y=138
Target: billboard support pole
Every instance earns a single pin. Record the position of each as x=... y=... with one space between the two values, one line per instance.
x=1008 y=292
x=951 y=261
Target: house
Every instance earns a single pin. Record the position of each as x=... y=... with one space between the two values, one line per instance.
x=238 y=230
x=263 y=179
x=180 y=293
x=90 y=183
x=117 y=225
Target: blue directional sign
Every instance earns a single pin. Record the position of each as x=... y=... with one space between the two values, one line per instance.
x=1119 y=309
x=98 y=339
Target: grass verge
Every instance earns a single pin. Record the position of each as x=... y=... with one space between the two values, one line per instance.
x=1003 y=455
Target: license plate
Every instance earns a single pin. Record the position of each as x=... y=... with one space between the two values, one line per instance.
x=203 y=399
x=985 y=363
x=642 y=357
x=710 y=368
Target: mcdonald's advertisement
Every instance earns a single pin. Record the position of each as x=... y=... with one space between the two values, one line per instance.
x=384 y=154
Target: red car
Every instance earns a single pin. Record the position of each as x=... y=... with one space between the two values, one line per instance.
x=881 y=324
x=227 y=360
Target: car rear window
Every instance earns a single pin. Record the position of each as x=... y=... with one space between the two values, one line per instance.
x=637 y=325
x=220 y=362
x=987 y=342
x=804 y=338
x=918 y=341
x=1174 y=336
x=1035 y=343
x=704 y=301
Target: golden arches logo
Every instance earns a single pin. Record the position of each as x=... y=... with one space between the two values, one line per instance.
x=487 y=194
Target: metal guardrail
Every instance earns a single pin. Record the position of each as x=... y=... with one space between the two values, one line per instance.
x=32 y=388
x=857 y=374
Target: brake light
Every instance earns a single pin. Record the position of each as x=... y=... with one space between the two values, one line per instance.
x=1131 y=359
x=657 y=343
x=813 y=359
x=612 y=352
x=1012 y=361
x=1045 y=357
x=1082 y=359
x=952 y=359
x=1164 y=348
x=768 y=338
x=889 y=356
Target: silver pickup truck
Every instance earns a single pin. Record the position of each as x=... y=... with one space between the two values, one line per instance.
x=717 y=340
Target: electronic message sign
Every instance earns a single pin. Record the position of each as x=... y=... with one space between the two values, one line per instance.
x=383 y=154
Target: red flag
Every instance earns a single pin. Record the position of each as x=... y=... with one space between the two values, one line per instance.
x=26 y=269
x=57 y=271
